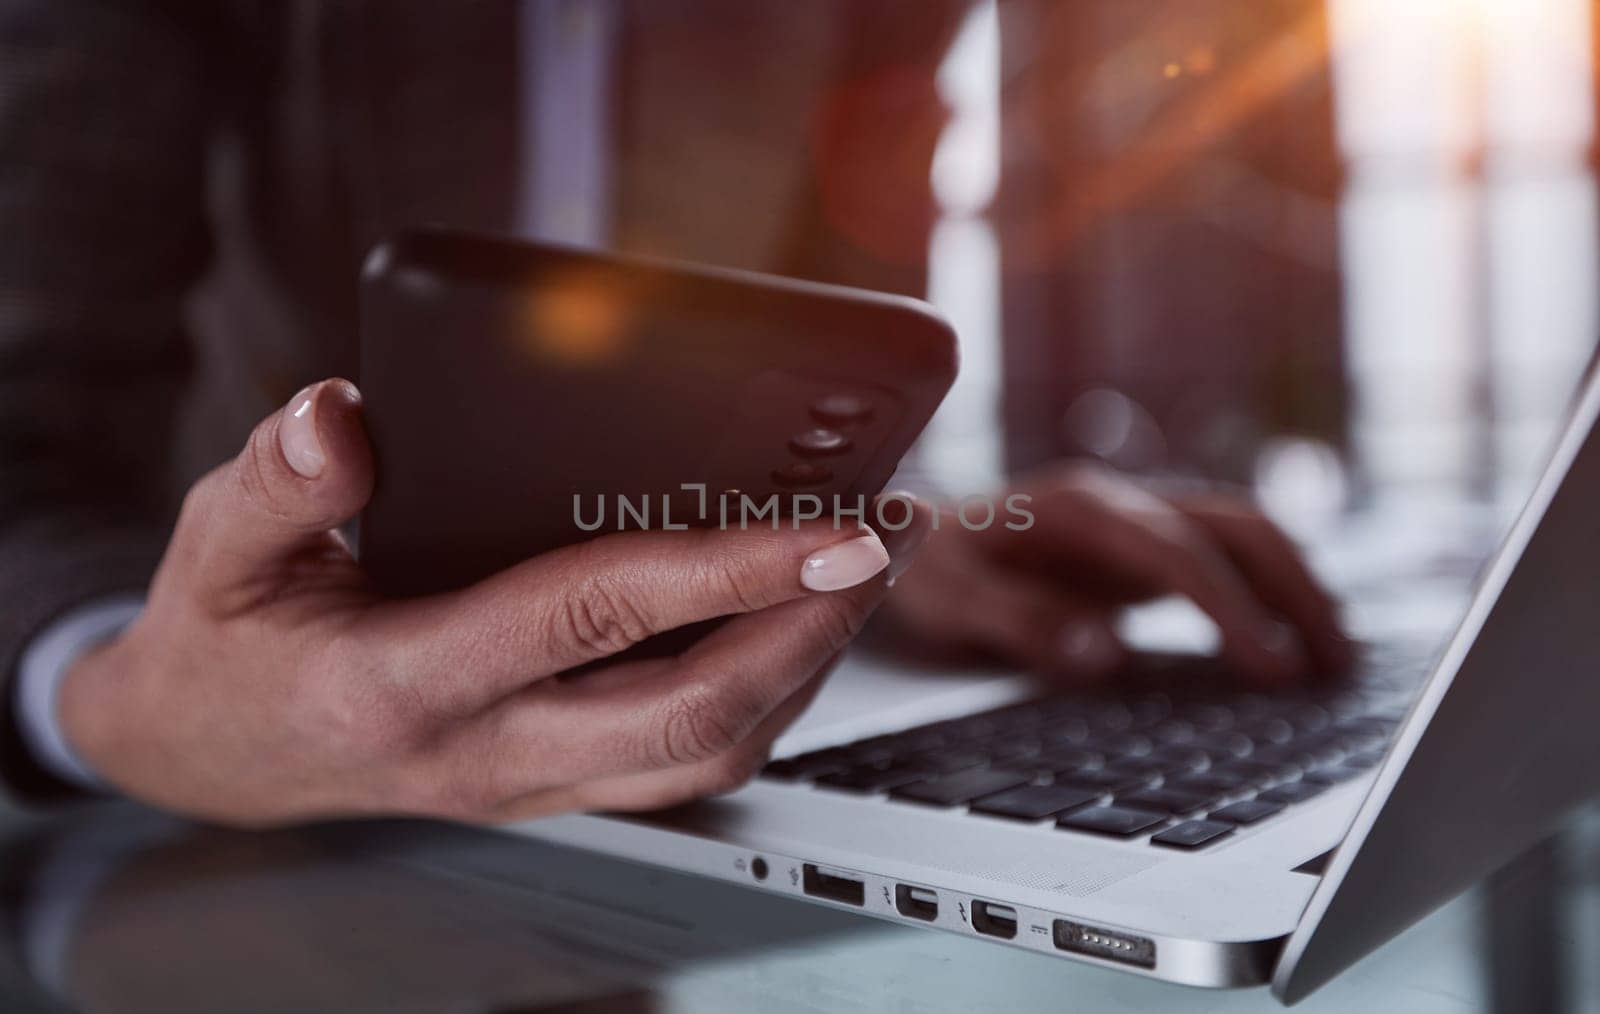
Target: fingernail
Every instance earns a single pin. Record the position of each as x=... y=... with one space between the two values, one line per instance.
x=297 y=435
x=1281 y=641
x=1278 y=638
x=844 y=564
x=1087 y=646
x=903 y=543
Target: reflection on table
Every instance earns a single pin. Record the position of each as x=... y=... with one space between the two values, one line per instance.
x=114 y=909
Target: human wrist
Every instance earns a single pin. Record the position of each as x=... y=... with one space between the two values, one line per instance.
x=85 y=714
x=42 y=670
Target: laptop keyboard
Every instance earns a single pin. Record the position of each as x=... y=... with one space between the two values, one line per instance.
x=1174 y=756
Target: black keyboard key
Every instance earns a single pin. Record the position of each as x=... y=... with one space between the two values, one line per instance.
x=1209 y=718
x=1247 y=811
x=1174 y=730
x=924 y=738
x=808 y=765
x=1136 y=767
x=1192 y=834
x=1366 y=758
x=1346 y=707
x=1068 y=759
x=1293 y=792
x=1113 y=820
x=1035 y=802
x=1365 y=726
x=1250 y=707
x=1111 y=716
x=785 y=770
x=952 y=790
x=1165 y=800
x=1015 y=748
x=941 y=762
x=1066 y=731
x=1317 y=750
x=1179 y=759
x=863 y=746
x=1120 y=744
x=1211 y=783
x=1148 y=709
x=879 y=755
x=870 y=779
x=1333 y=774
x=1102 y=781
x=1265 y=766
x=1224 y=745
x=1269 y=732
x=1310 y=718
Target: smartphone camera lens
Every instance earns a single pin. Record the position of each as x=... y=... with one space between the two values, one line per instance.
x=800 y=474
x=819 y=443
x=841 y=409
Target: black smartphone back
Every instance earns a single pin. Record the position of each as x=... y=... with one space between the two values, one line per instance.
x=523 y=397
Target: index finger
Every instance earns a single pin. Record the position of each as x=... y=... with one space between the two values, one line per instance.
x=1278 y=572
x=588 y=601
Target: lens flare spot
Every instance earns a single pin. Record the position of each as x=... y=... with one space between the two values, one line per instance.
x=577 y=320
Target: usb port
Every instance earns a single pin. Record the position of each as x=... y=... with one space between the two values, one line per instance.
x=916 y=902
x=994 y=920
x=834 y=886
x=1104 y=943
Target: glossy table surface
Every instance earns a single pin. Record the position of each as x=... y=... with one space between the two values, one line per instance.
x=109 y=908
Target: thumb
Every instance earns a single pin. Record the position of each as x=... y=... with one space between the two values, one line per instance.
x=306 y=470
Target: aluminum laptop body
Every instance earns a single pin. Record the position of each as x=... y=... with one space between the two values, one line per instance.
x=1489 y=749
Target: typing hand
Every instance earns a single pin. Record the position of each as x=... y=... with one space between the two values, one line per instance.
x=1046 y=597
x=267 y=682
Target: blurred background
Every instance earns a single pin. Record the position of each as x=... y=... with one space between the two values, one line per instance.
x=1340 y=251
x=1343 y=250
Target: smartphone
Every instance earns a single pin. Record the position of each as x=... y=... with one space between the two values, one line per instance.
x=525 y=397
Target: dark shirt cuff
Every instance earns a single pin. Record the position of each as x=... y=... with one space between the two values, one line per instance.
x=39 y=585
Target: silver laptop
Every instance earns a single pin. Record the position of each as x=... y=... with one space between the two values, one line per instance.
x=1177 y=829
